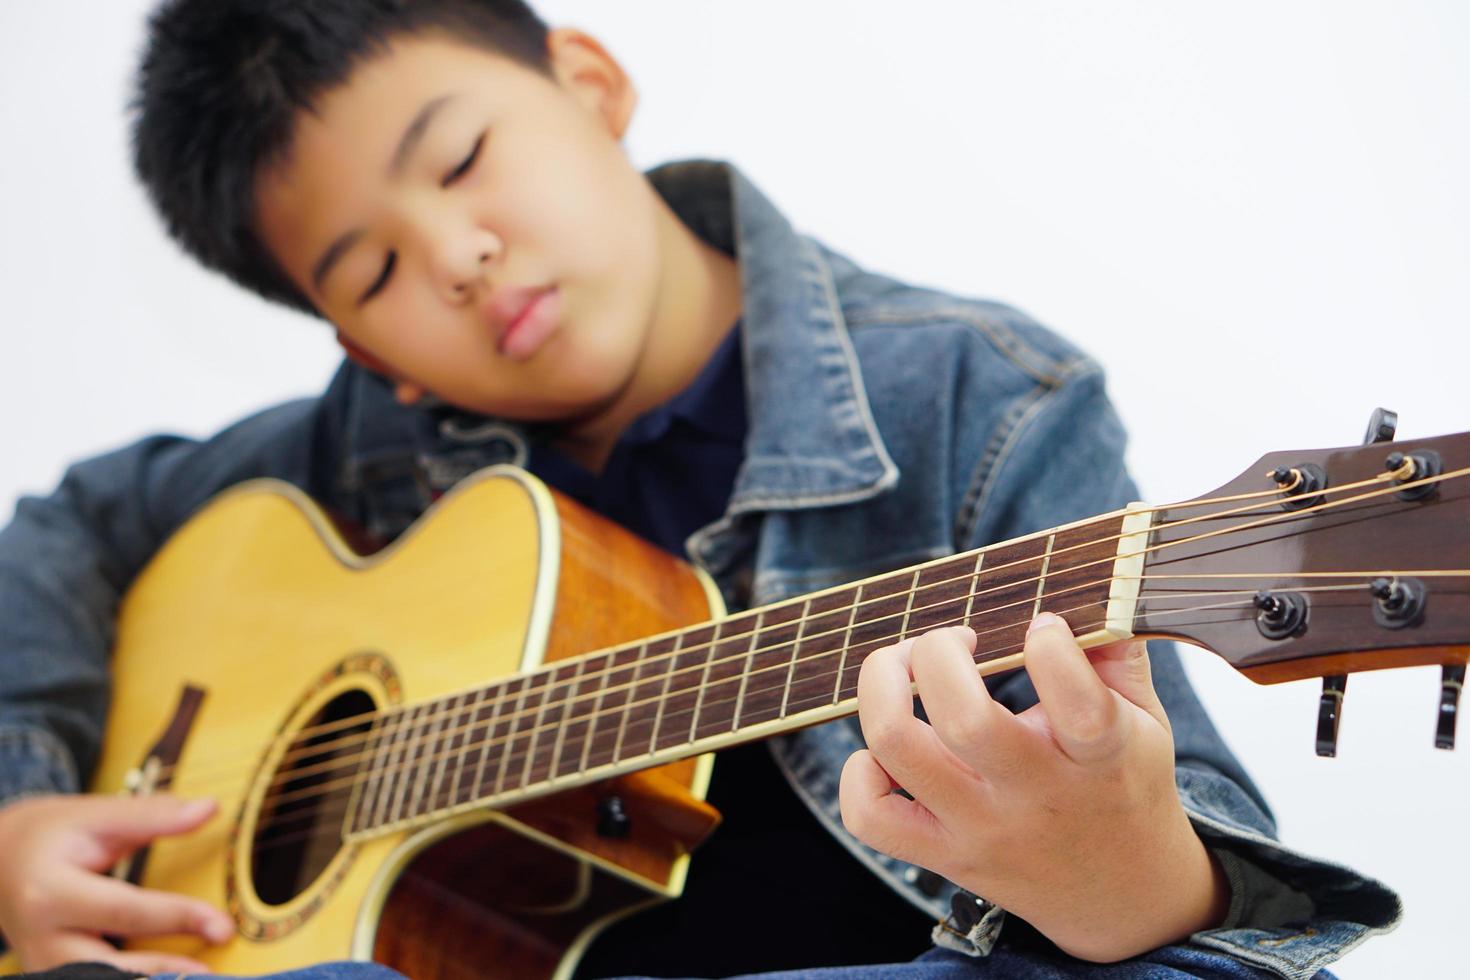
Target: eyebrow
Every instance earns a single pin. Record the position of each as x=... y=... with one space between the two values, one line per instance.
x=407 y=143
x=414 y=134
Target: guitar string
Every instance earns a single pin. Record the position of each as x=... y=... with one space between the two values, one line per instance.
x=313 y=731
x=550 y=682
x=470 y=723
x=513 y=758
x=305 y=815
x=631 y=686
x=353 y=721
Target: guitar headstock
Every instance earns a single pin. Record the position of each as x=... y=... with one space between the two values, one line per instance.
x=1319 y=563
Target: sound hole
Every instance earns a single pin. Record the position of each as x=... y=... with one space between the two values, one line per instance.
x=303 y=813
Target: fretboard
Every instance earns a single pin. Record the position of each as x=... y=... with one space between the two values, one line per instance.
x=750 y=675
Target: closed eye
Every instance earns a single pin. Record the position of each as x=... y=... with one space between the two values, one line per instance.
x=465 y=164
x=381 y=281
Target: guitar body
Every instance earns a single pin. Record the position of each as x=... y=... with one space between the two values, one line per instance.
x=260 y=609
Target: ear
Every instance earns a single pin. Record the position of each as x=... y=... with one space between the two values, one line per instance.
x=593 y=77
x=406 y=392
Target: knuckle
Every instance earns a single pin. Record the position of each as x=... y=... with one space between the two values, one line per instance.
x=34 y=902
x=968 y=732
x=934 y=645
x=887 y=738
x=1092 y=730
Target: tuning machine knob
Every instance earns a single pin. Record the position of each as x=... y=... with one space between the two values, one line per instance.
x=1452 y=681
x=1329 y=714
x=1423 y=464
x=1301 y=485
x=1398 y=602
x=1281 y=615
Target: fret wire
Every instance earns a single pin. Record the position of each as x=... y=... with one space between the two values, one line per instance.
x=908 y=607
x=479 y=779
x=592 y=718
x=536 y=728
x=709 y=658
x=395 y=761
x=795 y=650
x=468 y=731
x=1041 y=579
x=405 y=761
x=846 y=644
x=422 y=749
x=632 y=693
x=561 y=729
x=974 y=585
x=446 y=737
x=363 y=781
x=745 y=674
x=385 y=794
x=663 y=696
x=510 y=736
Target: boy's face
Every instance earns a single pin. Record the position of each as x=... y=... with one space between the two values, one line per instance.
x=473 y=228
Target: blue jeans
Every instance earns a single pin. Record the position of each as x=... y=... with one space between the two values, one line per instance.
x=940 y=964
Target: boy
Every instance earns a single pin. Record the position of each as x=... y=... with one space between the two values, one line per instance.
x=443 y=182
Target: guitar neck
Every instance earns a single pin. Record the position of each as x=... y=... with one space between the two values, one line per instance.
x=748 y=676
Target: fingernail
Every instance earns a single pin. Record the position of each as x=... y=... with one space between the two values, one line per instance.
x=1042 y=621
x=198 y=809
x=218 y=930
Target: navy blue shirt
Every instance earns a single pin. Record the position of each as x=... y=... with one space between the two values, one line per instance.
x=769 y=873
x=672 y=470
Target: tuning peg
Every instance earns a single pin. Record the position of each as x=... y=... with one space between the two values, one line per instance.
x=1452 y=680
x=1381 y=426
x=1329 y=714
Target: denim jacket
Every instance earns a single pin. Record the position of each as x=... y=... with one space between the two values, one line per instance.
x=888 y=425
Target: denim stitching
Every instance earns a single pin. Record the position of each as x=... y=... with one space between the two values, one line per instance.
x=1043 y=367
x=1002 y=441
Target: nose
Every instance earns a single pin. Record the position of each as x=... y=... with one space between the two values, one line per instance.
x=461 y=258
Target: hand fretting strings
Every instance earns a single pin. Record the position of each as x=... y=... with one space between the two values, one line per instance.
x=405 y=721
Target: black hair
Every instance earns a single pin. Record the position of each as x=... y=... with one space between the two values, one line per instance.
x=221 y=84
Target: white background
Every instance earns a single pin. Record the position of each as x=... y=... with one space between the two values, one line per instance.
x=1254 y=214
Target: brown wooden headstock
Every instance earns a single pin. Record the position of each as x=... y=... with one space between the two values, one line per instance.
x=1321 y=562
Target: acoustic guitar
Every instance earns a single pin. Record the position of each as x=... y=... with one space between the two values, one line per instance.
x=465 y=754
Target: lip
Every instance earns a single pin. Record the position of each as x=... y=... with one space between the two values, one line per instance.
x=523 y=319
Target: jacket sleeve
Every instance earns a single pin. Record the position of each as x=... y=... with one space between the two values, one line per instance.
x=1062 y=462
x=66 y=560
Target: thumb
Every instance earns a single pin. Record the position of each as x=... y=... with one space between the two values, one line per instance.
x=126 y=822
x=1124 y=667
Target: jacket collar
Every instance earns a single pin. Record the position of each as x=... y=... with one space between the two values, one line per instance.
x=811 y=442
